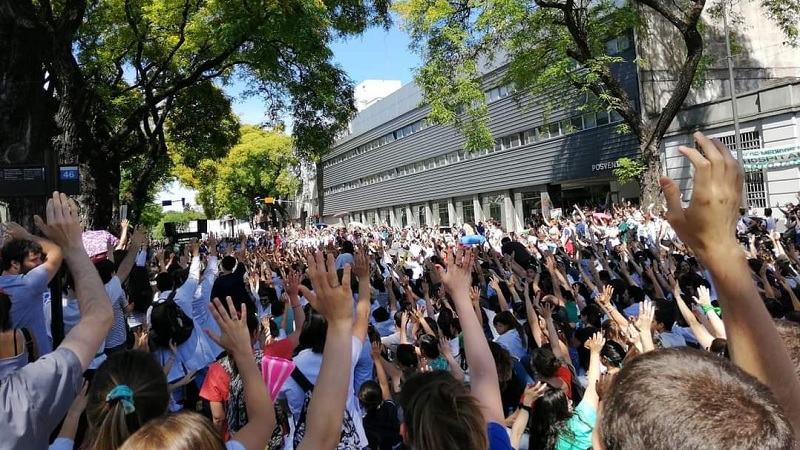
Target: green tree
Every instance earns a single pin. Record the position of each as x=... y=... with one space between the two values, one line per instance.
x=132 y=85
x=555 y=52
x=181 y=220
x=261 y=165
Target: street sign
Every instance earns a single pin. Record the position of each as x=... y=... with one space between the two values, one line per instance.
x=69 y=180
x=23 y=181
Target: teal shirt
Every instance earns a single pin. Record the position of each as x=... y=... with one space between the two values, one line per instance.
x=580 y=426
x=439 y=363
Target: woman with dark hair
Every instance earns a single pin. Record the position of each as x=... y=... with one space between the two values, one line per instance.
x=140 y=295
x=17 y=346
x=554 y=425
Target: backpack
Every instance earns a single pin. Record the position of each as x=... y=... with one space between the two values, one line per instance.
x=168 y=323
x=349 y=438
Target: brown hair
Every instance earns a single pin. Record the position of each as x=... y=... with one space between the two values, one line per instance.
x=441 y=414
x=182 y=431
x=790 y=334
x=139 y=371
x=657 y=390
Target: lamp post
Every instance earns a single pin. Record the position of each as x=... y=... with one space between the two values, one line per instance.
x=734 y=103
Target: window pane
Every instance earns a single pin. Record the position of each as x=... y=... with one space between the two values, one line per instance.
x=515 y=140
x=602 y=117
x=624 y=42
x=554 y=130
x=589 y=120
x=577 y=123
x=544 y=132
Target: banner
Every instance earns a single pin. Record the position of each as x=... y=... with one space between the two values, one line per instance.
x=771 y=158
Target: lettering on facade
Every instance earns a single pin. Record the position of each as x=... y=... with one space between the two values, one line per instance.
x=608 y=165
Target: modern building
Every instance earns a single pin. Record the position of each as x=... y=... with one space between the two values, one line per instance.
x=770 y=137
x=393 y=168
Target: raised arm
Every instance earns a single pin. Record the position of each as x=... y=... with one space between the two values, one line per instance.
x=334 y=301
x=708 y=227
x=361 y=271
x=485 y=387
x=715 y=322
x=53 y=251
x=292 y=286
x=595 y=346
x=63 y=227
x=704 y=338
x=130 y=259
x=235 y=339
x=386 y=392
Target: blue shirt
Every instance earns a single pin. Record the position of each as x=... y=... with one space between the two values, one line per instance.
x=498 y=437
x=26 y=293
x=511 y=341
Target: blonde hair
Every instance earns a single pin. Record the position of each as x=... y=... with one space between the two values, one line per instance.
x=181 y=431
x=441 y=414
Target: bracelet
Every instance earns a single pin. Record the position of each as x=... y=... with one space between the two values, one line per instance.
x=523 y=407
x=707 y=308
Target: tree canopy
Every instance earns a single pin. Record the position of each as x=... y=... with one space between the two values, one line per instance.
x=261 y=165
x=555 y=51
x=126 y=88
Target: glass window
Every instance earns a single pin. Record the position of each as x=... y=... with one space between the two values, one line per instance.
x=498 y=144
x=611 y=47
x=452 y=157
x=423 y=219
x=555 y=130
x=624 y=42
x=530 y=137
x=506 y=142
x=468 y=210
x=420 y=166
x=444 y=214
x=615 y=116
x=503 y=91
x=602 y=117
x=516 y=139
x=543 y=132
x=442 y=161
x=416 y=126
x=577 y=123
x=566 y=127
x=589 y=120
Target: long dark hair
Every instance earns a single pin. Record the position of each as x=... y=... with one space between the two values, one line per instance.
x=313 y=333
x=140 y=292
x=548 y=419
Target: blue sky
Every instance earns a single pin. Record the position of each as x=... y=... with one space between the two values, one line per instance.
x=377 y=54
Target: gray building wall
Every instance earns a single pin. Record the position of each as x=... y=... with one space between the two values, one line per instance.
x=569 y=157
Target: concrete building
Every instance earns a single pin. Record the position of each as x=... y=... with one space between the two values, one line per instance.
x=770 y=136
x=392 y=168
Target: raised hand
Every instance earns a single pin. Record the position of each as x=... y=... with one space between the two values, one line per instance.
x=15 y=231
x=334 y=300
x=533 y=392
x=604 y=298
x=710 y=220
x=646 y=313
x=595 y=343
x=234 y=335
x=703 y=296
x=63 y=224
x=457 y=276
x=292 y=283
x=361 y=270
x=547 y=310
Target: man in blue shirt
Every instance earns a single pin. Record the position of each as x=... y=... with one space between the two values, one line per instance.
x=29 y=263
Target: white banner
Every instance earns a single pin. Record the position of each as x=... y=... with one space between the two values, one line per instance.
x=771 y=158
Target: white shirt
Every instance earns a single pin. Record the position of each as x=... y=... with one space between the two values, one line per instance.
x=310 y=363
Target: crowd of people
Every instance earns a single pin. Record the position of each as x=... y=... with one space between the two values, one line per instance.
x=620 y=328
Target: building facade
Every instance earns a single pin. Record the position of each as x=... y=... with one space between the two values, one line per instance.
x=393 y=168
x=770 y=137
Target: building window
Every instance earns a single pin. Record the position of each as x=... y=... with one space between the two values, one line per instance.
x=467 y=211
x=495 y=207
x=756 y=189
x=602 y=118
x=421 y=216
x=531 y=205
x=530 y=137
x=444 y=214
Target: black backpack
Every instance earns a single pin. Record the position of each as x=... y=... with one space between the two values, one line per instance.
x=168 y=323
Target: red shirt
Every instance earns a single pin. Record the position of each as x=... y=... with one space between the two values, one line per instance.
x=280 y=349
x=217 y=388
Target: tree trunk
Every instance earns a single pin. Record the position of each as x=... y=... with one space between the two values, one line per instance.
x=320 y=191
x=99 y=197
x=650 y=181
x=26 y=106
